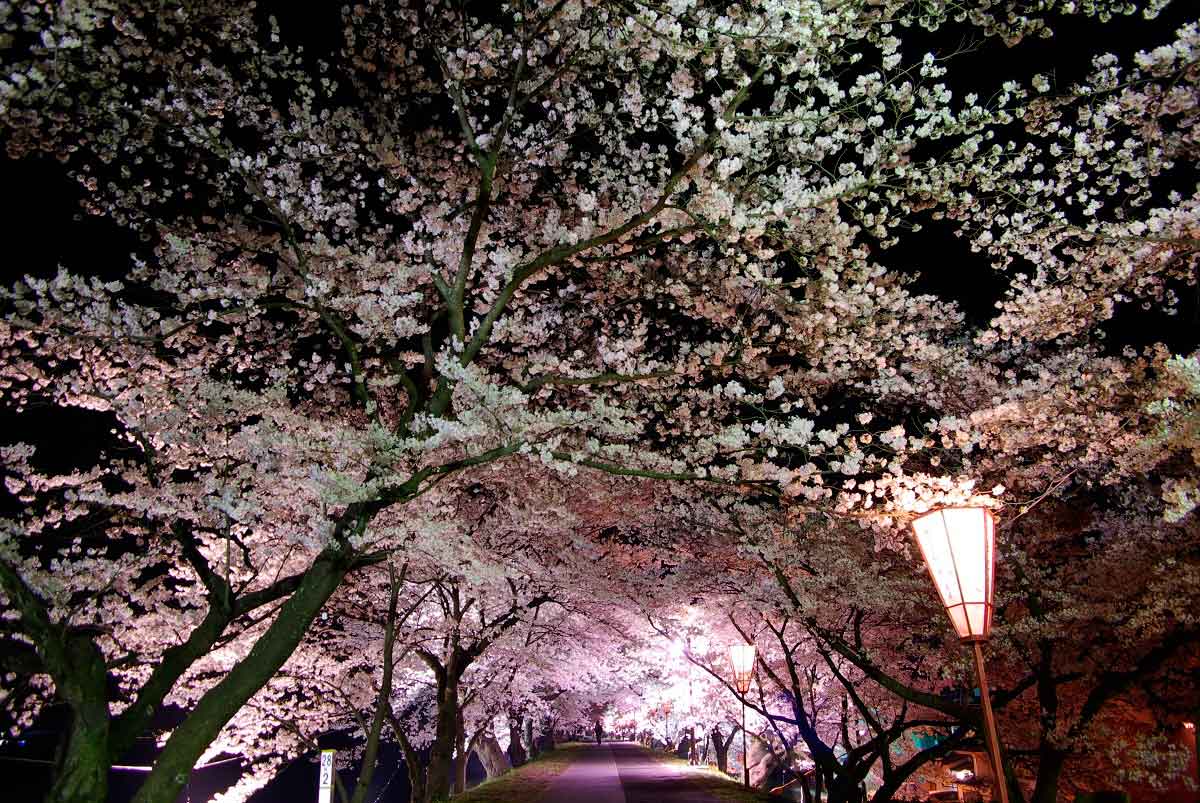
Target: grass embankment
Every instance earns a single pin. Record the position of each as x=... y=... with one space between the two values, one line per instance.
x=526 y=783
x=713 y=783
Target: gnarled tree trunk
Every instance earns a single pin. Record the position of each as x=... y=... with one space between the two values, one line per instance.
x=495 y=761
x=441 y=752
x=721 y=747
x=1050 y=766
x=533 y=748
x=545 y=741
x=517 y=754
x=462 y=755
x=219 y=704
x=762 y=762
x=82 y=772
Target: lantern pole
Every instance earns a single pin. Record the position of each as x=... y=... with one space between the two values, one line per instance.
x=989 y=723
x=745 y=753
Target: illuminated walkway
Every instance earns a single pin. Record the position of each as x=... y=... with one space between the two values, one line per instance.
x=623 y=772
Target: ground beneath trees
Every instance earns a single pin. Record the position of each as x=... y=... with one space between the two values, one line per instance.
x=620 y=772
x=623 y=772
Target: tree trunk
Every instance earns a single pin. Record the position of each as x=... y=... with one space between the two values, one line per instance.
x=82 y=772
x=80 y=677
x=762 y=762
x=383 y=702
x=219 y=704
x=412 y=762
x=516 y=751
x=846 y=786
x=462 y=754
x=1050 y=765
x=495 y=761
x=441 y=752
x=890 y=786
x=174 y=662
x=842 y=790
x=721 y=746
x=134 y=720
x=531 y=745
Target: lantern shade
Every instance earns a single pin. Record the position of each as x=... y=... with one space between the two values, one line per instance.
x=742 y=658
x=958 y=544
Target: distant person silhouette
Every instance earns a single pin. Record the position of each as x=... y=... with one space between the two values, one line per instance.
x=599 y=732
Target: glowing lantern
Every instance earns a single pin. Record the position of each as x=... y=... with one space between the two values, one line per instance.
x=742 y=658
x=958 y=544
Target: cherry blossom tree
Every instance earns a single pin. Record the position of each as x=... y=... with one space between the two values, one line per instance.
x=859 y=652
x=620 y=241
x=434 y=654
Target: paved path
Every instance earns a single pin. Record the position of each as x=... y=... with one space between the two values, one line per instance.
x=621 y=772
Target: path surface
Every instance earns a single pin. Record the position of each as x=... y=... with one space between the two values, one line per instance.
x=621 y=772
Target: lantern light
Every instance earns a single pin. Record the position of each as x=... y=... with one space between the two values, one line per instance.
x=959 y=547
x=958 y=544
x=742 y=658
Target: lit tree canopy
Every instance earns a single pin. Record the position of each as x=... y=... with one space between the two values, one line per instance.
x=630 y=300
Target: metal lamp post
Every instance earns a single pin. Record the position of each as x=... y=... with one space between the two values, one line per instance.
x=958 y=544
x=742 y=658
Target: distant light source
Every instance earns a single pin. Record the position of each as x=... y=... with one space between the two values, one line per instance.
x=958 y=544
x=1190 y=727
x=742 y=658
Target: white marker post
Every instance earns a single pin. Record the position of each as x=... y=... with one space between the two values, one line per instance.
x=325 y=788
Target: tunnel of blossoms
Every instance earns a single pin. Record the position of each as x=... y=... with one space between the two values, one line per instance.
x=446 y=383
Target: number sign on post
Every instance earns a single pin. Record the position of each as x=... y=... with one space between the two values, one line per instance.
x=325 y=788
